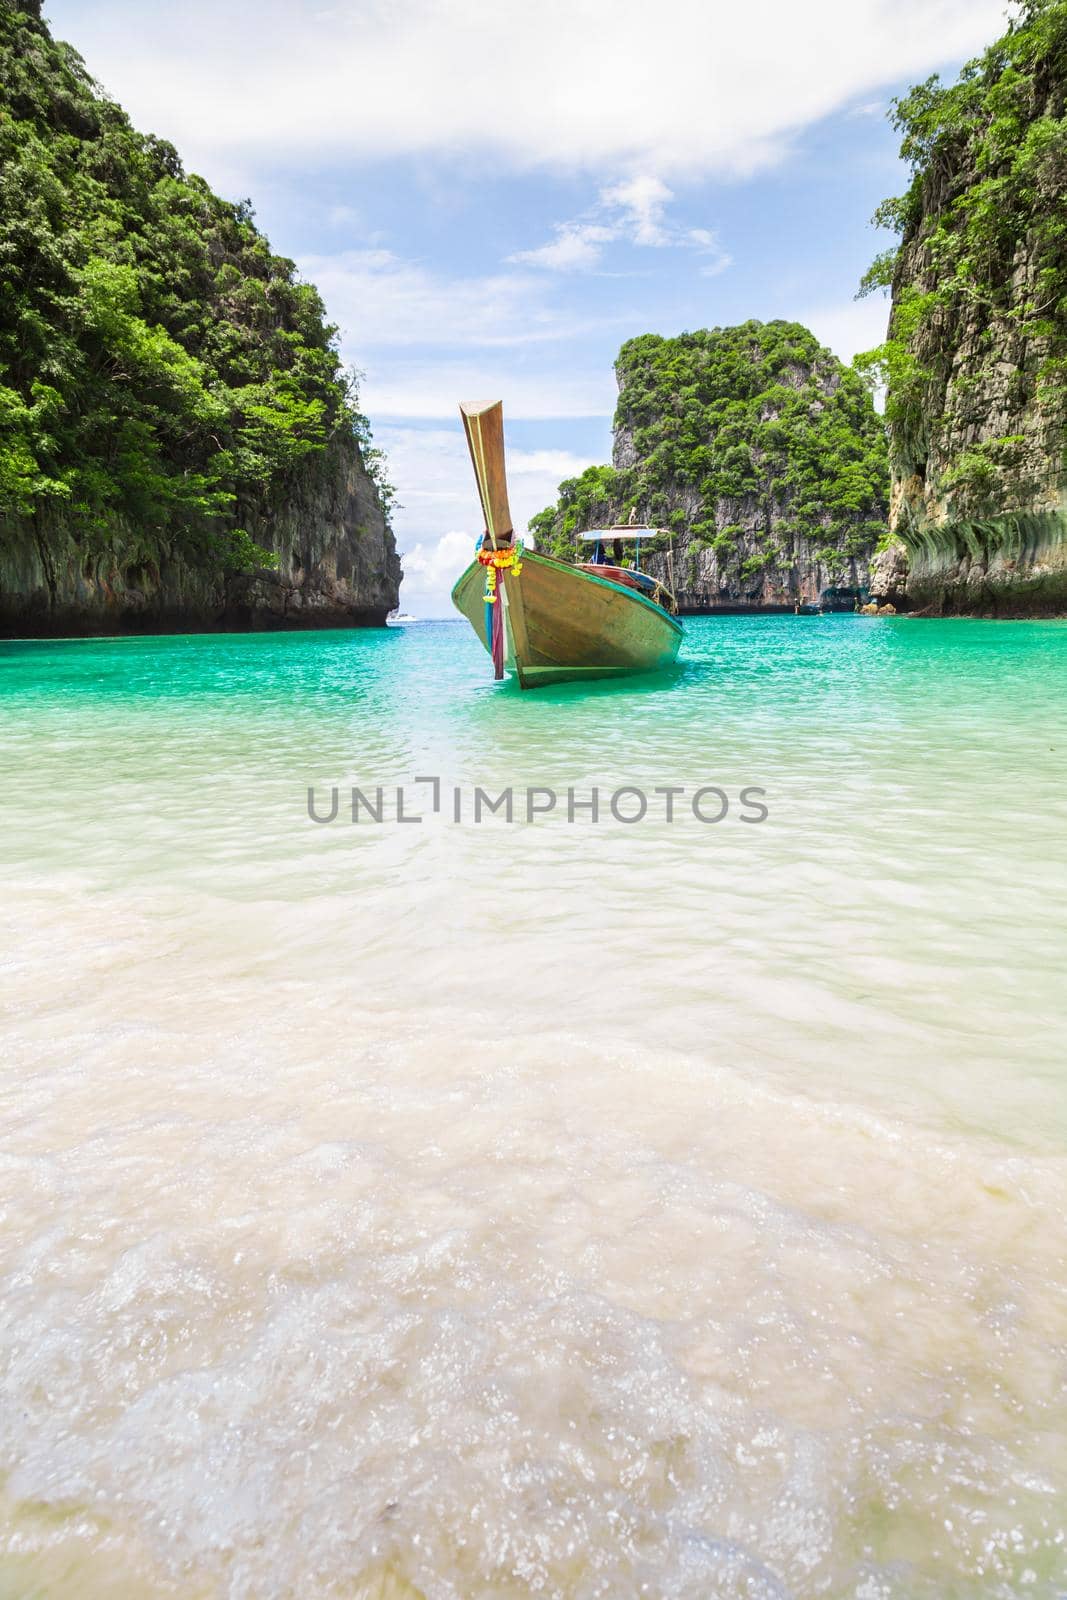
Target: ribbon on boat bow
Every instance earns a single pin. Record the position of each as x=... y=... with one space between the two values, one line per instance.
x=497 y=563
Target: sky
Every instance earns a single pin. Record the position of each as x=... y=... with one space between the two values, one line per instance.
x=492 y=195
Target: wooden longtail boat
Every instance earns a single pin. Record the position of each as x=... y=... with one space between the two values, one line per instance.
x=547 y=620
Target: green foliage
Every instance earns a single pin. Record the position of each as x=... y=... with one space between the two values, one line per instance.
x=879 y=274
x=895 y=365
x=989 y=170
x=747 y=422
x=158 y=364
x=236 y=551
x=584 y=502
x=374 y=460
x=975 y=473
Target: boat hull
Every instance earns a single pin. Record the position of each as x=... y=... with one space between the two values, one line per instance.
x=563 y=624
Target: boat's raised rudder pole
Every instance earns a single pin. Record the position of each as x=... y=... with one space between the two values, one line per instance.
x=484 y=427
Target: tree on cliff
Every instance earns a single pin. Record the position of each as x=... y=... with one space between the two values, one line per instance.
x=752 y=444
x=159 y=365
x=976 y=359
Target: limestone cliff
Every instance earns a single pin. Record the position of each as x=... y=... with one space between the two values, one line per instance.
x=758 y=451
x=337 y=566
x=976 y=359
x=179 y=445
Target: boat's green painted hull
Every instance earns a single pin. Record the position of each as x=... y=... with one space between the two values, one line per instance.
x=562 y=623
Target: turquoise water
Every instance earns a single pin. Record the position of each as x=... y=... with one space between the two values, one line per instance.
x=556 y=1207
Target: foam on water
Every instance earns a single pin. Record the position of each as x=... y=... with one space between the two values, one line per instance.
x=562 y=1210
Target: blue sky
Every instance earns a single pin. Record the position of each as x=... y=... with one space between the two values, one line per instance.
x=492 y=195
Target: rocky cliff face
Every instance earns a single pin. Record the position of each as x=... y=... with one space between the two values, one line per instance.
x=337 y=566
x=179 y=445
x=758 y=451
x=976 y=360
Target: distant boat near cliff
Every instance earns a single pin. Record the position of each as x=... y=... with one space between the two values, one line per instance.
x=545 y=620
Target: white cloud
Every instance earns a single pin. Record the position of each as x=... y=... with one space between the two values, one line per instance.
x=435 y=486
x=707 y=243
x=431 y=569
x=427 y=389
x=425 y=340
x=850 y=326
x=691 y=89
x=719 y=264
x=537 y=464
x=576 y=247
x=385 y=300
x=431 y=471
x=642 y=201
x=634 y=211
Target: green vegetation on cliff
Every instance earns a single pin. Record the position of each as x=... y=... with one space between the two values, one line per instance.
x=159 y=366
x=976 y=359
x=742 y=441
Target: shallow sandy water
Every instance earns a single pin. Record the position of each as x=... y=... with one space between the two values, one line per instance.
x=573 y=1210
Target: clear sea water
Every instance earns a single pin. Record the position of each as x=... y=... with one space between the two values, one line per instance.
x=546 y=1209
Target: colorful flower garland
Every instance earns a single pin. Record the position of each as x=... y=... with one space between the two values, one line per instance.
x=508 y=559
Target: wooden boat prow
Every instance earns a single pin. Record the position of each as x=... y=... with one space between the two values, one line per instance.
x=547 y=620
x=484 y=427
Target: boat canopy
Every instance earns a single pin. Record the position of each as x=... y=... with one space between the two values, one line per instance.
x=624 y=532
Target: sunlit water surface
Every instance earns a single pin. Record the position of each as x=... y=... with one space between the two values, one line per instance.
x=566 y=1209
